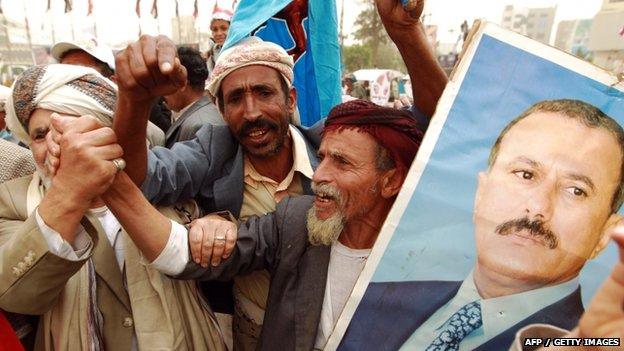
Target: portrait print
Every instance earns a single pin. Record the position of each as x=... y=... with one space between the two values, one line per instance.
x=504 y=218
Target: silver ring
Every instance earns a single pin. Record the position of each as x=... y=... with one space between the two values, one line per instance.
x=220 y=238
x=120 y=164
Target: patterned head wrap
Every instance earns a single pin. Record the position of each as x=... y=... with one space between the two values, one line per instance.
x=251 y=51
x=395 y=130
x=66 y=89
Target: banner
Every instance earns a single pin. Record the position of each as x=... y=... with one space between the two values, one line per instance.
x=307 y=29
x=504 y=217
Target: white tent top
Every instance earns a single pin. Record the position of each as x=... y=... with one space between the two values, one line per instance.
x=373 y=74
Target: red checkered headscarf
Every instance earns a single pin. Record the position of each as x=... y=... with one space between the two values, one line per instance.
x=395 y=130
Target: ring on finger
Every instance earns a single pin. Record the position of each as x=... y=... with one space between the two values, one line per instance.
x=120 y=164
x=220 y=238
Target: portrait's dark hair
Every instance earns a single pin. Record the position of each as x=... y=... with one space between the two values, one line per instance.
x=584 y=113
x=196 y=69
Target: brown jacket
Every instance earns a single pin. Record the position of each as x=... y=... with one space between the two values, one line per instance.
x=168 y=314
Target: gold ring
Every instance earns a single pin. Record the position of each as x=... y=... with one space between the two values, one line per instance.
x=120 y=164
x=220 y=238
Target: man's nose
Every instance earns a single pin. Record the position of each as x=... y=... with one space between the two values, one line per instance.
x=540 y=201
x=251 y=112
x=323 y=173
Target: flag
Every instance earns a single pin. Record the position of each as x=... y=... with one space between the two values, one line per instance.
x=138 y=8
x=621 y=32
x=308 y=30
x=68 y=6
x=195 y=10
x=90 y=8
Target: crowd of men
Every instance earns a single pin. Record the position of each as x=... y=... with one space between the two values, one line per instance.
x=152 y=170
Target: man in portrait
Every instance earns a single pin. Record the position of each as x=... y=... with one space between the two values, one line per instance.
x=551 y=191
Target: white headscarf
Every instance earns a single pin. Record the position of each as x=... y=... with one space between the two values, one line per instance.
x=66 y=89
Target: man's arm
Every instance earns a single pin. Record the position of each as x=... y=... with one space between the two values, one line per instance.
x=408 y=33
x=146 y=69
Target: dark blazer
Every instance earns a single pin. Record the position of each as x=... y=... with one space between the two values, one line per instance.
x=391 y=311
x=279 y=243
x=209 y=169
x=201 y=112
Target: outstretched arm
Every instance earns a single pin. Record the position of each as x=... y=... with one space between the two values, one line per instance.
x=146 y=69
x=408 y=33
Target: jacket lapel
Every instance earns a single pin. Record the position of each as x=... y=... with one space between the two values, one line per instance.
x=228 y=191
x=310 y=294
x=106 y=265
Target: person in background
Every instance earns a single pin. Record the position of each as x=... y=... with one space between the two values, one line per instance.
x=219 y=27
x=191 y=109
x=88 y=53
x=4 y=132
x=91 y=53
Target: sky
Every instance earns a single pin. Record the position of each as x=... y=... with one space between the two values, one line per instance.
x=117 y=23
x=491 y=10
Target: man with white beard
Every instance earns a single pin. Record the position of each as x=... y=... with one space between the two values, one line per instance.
x=314 y=259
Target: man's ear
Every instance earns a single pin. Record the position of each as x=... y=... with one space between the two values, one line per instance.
x=291 y=101
x=391 y=183
x=607 y=229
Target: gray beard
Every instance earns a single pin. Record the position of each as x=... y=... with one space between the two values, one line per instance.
x=324 y=232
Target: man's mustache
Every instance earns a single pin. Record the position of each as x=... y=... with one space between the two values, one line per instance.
x=260 y=123
x=536 y=228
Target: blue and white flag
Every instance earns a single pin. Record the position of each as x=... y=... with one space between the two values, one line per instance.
x=307 y=29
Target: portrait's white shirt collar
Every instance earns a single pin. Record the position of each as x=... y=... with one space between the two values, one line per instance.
x=500 y=313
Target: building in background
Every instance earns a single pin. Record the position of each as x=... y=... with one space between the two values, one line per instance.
x=573 y=37
x=15 y=50
x=536 y=23
x=606 y=38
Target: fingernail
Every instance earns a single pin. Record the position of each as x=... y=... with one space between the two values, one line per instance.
x=165 y=67
x=197 y=261
x=226 y=256
x=214 y=264
x=204 y=265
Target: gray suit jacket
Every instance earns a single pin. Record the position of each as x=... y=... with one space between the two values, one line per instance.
x=201 y=112
x=208 y=169
x=279 y=243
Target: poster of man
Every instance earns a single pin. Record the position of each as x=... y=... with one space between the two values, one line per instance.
x=504 y=219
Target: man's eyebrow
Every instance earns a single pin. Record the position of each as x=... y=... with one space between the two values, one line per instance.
x=574 y=176
x=529 y=161
x=582 y=178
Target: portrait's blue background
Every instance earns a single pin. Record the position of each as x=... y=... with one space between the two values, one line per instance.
x=435 y=239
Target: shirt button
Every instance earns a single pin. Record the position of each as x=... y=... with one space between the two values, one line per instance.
x=127 y=322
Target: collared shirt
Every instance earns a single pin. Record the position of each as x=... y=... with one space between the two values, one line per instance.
x=498 y=314
x=261 y=194
x=176 y=115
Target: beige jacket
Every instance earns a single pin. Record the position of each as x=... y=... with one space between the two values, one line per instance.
x=165 y=314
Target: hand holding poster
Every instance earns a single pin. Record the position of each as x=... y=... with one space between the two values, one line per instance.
x=503 y=219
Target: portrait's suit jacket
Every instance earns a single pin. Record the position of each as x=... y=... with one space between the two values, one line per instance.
x=15 y=161
x=209 y=169
x=32 y=279
x=390 y=312
x=279 y=243
x=201 y=112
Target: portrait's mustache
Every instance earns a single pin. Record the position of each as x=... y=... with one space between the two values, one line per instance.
x=536 y=228
x=260 y=123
